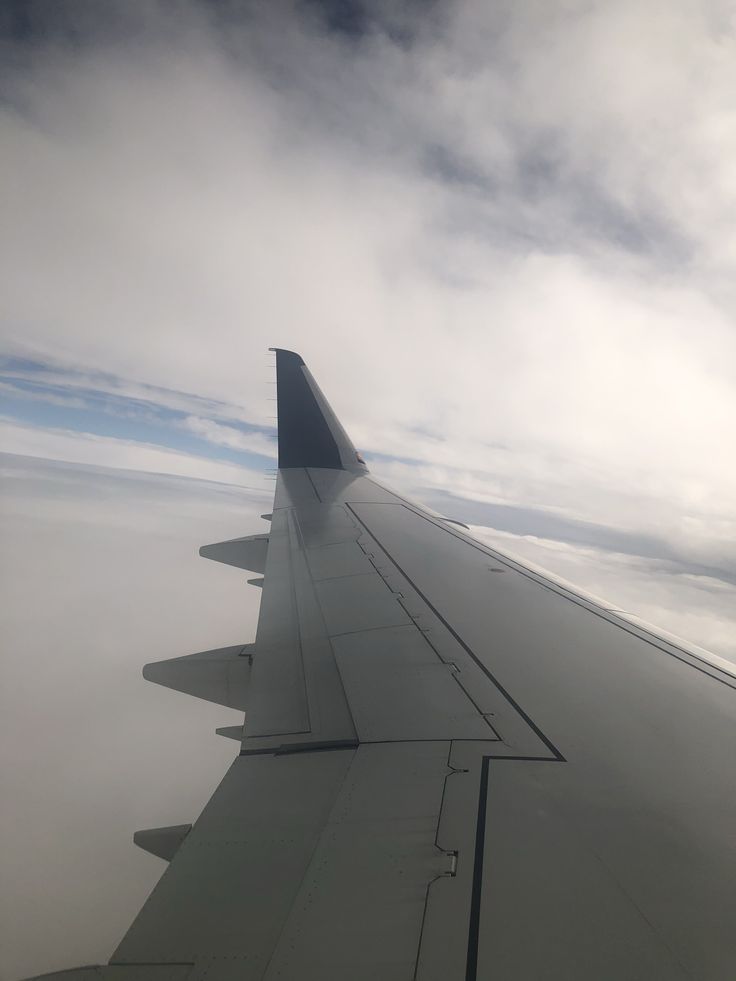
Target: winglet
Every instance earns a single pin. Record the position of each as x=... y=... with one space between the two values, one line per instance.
x=310 y=434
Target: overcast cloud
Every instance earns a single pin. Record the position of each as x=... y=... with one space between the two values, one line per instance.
x=101 y=575
x=503 y=236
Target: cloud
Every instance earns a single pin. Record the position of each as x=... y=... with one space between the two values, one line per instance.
x=67 y=401
x=497 y=225
x=114 y=392
x=221 y=435
x=697 y=608
x=86 y=448
x=101 y=575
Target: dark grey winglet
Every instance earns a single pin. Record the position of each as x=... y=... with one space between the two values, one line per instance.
x=310 y=434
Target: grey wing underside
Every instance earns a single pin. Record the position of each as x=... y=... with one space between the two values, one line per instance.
x=451 y=766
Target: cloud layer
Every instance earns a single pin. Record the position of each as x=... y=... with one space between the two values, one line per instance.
x=502 y=236
x=101 y=575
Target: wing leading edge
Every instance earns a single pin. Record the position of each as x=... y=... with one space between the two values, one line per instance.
x=444 y=773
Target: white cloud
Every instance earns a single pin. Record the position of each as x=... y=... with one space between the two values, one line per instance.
x=504 y=247
x=100 y=575
x=515 y=229
x=36 y=395
x=107 y=451
x=229 y=436
x=700 y=609
x=122 y=390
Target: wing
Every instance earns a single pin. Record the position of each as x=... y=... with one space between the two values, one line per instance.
x=451 y=767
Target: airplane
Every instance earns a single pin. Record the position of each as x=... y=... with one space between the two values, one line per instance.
x=452 y=767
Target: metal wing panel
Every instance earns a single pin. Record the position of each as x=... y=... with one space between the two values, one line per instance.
x=399 y=689
x=359 y=913
x=624 y=847
x=338 y=560
x=298 y=694
x=369 y=671
x=298 y=863
x=624 y=850
x=280 y=704
x=578 y=804
x=228 y=891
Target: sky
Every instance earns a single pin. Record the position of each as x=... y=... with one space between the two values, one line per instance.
x=503 y=238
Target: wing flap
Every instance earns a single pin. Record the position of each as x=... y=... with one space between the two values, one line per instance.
x=399 y=689
x=300 y=863
x=232 y=884
x=359 y=911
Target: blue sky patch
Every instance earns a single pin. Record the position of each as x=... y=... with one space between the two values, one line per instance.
x=50 y=397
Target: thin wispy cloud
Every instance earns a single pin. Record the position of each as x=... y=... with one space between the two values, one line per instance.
x=230 y=436
x=9 y=391
x=106 y=451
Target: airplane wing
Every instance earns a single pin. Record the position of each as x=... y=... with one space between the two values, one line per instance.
x=452 y=767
